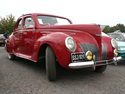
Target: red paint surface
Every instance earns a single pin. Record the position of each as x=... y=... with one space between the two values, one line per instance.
x=26 y=43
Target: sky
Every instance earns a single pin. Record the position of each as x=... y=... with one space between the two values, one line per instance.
x=104 y=12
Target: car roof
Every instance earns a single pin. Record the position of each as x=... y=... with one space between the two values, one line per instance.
x=43 y=14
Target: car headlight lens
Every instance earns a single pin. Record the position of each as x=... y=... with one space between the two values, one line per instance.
x=70 y=44
x=114 y=43
x=89 y=55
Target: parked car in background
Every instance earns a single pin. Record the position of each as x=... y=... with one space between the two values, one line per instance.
x=54 y=40
x=2 y=39
x=120 y=39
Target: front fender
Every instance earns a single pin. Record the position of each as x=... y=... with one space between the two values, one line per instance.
x=57 y=42
x=109 y=49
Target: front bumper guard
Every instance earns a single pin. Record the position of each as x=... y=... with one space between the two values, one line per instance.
x=77 y=65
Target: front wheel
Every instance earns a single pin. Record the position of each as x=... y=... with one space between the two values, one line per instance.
x=100 y=69
x=50 y=64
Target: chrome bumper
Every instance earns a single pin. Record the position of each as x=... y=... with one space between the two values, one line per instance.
x=116 y=59
x=77 y=65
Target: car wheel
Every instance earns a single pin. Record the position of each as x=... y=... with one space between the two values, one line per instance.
x=11 y=56
x=100 y=69
x=50 y=64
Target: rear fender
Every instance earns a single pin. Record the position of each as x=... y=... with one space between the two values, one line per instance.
x=9 y=45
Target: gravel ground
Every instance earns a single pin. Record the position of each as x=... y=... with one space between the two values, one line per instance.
x=24 y=77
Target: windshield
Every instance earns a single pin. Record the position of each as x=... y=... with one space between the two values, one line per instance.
x=50 y=20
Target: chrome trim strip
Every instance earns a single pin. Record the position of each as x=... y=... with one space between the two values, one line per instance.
x=99 y=35
x=117 y=59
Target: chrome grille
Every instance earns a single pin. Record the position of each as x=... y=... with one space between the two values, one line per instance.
x=91 y=47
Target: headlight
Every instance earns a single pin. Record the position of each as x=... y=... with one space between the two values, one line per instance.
x=89 y=55
x=114 y=43
x=70 y=44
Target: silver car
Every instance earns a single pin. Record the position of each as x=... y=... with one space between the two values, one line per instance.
x=2 y=39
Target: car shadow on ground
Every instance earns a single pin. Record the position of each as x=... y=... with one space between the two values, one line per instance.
x=61 y=72
x=121 y=63
x=29 y=64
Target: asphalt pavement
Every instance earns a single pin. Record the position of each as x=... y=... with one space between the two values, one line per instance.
x=25 y=77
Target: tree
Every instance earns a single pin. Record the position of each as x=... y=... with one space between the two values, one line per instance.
x=109 y=29
x=120 y=27
x=7 y=24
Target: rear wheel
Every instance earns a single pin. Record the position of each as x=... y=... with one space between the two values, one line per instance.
x=11 y=56
x=100 y=69
x=50 y=64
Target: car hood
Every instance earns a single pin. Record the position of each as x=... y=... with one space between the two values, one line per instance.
x=121 y=46
x=80 y=32
x=91 y=29
x=121 y=43
x=87 y=36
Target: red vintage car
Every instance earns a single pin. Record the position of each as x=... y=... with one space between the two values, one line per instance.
x=54 y=39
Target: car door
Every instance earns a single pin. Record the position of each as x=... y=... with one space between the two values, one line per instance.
x=28 y=36
x=17 y=36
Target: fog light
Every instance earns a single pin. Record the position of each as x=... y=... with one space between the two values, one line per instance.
x=89 y=55
x=115 y=52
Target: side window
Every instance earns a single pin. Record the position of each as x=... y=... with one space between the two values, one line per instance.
x=28 y=22
x=19 y=25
